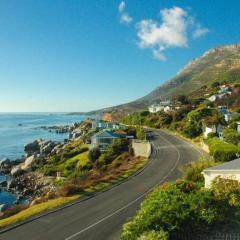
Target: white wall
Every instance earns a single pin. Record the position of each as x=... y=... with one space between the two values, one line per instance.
x=210 y=176
x=141 y=148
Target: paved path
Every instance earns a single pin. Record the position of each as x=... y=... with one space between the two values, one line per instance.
x=101 y=217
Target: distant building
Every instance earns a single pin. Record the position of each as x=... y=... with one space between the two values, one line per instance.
x=103 y=138
x=238 y=126
x=158 y=107
x=225 y=112
x=107 y=125
x=213 y=129
x=229 y=170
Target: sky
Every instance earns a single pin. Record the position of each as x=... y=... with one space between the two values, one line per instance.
x=81 y=55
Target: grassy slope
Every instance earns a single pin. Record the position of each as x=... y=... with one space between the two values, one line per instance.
x=36 y=209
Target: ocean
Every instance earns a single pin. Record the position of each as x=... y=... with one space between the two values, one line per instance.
x=18 y=129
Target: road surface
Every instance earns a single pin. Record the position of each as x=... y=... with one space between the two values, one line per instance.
x=101 y=217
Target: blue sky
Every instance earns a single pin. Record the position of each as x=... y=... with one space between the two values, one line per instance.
x=80 y=55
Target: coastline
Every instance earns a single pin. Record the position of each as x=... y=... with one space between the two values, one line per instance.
x=53 y=129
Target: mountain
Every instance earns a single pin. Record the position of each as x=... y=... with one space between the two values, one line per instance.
x=220 y=64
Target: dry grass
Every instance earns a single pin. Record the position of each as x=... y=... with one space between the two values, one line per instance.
x=36 y=209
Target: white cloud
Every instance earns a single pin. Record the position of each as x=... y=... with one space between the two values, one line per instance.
x=171 y=32
x=121 y=6
x=124 y=16
x=200 y=31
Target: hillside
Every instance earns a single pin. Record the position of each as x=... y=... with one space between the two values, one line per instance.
x=218 y=64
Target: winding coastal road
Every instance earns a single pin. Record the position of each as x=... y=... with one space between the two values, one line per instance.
x=101 y=217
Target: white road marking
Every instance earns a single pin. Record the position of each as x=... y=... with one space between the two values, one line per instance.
x=135 y=200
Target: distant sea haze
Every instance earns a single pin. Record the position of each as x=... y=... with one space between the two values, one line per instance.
x=18 y=129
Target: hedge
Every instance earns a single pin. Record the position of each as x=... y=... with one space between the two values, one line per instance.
x=222 y=151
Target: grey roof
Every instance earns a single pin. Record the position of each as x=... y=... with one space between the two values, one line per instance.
x=228 y=166
x=106 y=134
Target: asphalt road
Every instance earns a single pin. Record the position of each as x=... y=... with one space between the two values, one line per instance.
x=101 y=217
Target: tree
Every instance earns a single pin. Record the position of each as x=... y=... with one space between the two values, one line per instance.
x=215 y=84
x=94 y=154
x=183 y=99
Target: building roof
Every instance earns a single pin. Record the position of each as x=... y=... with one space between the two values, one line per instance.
x=106 y=134
x=228 y=166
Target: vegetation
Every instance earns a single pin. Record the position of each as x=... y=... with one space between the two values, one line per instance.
x=178 y=208
x=193 y=171
x=36 y=209
x=183 y=207
x=222 y=151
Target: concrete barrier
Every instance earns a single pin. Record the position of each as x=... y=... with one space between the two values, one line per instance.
x=141 y=148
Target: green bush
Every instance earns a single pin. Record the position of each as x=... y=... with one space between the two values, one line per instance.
x=153 y=235
x=231 y=136
x=174 y=210
x=94 y=154
x=227 y=190
x=140 y=133
x=212 y=135
x=193 y=170
x=222 y=151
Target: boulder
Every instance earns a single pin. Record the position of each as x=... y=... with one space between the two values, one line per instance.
x=4 y=163
x=3 y=183
x=17 y=171
x=3 y=207
x=27 y=163
x=32 y=147
x=11 y=183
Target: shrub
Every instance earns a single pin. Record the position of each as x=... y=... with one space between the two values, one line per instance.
x=231 y=136
x=69 y=189
x=171 y=209
x=212 y=135
x=193 y=170
x=94 y=154
x=222 y=151
x=153 y=235
x=227 y=189
x=140 y=133
x=14 y=210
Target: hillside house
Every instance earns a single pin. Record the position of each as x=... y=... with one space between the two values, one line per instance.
x=225 y=112
x=229 y=170
x=158 y=107
x=106 y=125
x=238 y=126
x=213 y=129
x=103 y=138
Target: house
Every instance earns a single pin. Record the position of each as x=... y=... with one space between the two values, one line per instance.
x=238 y=126
x=229 y=170
x=103 y=138
x=213 y=129
x=158 y=107
x=106 y=125
x=213 y=98
x=225 y=112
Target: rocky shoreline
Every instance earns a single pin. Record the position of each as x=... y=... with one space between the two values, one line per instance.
x=21 y=179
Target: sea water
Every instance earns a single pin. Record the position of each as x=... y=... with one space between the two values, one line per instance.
x=18 y=129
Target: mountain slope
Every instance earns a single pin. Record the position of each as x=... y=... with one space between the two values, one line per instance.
x=218 y=64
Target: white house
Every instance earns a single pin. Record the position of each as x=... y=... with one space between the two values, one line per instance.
x=228 y=170
x=238 y=126
x=158 y=107
x=213 y=129
x=213 y=98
